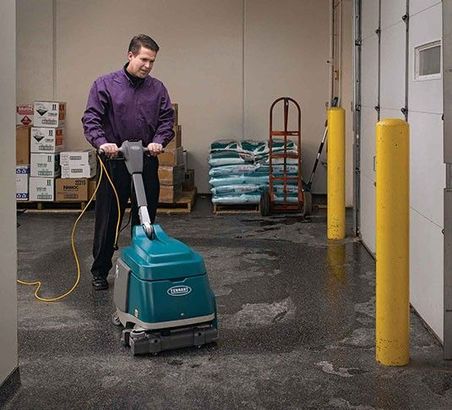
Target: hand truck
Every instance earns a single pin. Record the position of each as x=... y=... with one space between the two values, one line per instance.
x=269 y=201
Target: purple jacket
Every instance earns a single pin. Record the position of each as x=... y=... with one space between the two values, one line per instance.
x=117 y=111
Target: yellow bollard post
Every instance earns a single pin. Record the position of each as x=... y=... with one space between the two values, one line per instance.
x=336 y=174
x=392 y=242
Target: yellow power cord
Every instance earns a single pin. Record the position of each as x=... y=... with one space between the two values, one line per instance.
x=38 y=283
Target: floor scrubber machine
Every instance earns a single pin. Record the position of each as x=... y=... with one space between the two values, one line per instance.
x=162 y=294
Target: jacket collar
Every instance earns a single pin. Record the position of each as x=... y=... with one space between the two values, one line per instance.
x=123 y=78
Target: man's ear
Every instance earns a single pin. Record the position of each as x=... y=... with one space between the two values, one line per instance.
x=129 y=55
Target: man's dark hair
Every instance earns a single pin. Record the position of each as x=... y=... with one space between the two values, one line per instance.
x=142 y=40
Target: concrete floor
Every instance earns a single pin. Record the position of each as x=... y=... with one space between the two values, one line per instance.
x=296 y=319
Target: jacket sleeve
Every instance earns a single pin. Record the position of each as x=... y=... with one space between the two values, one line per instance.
x=92 y=119
x=165 y=133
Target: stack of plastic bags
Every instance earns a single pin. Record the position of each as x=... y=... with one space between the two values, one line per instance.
x=239 y=170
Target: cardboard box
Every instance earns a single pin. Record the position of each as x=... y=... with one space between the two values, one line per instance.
x=22 y=178
x=176 y=142
x=78 y=164
x=49 y=114
x=23 y=145
x=46 y=139
x=170 y=193
x=79 y=171
x=45 y=165
x=76 y=158
x=42 y=189
x=24 y=114
x=189 y=181
x=92 y=183
x=171 y=175
x=172 y=157
x=71 y=189
x=176 y=114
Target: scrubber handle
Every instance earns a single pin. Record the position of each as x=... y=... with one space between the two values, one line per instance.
x=133 y=155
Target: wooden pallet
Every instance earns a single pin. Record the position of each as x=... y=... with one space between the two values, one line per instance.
x=51 y=206
x=221 y=209
x=183 y=205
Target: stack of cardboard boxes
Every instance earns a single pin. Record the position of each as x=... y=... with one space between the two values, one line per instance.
x=45 y=172
x=46 y=143
x=41 y=159
x=77 y=169
x=172 y=166
x=24 y=119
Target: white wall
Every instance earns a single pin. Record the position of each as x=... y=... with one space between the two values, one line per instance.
x=428 y=174
x=8 y=250
x=342 y=82
x=202 y=61
x=427 y=171
x=199 y=61
x=347 y=95
x=369 y=99
x=35 y=56
x=286 y=48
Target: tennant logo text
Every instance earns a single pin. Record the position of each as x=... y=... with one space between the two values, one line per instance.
x=179 y=290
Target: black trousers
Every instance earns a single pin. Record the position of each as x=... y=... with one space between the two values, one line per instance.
x=106 y=209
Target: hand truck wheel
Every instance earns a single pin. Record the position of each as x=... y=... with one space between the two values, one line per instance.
x=264 y=203
x=307 y=203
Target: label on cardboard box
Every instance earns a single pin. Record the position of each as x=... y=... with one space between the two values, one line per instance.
x=45 y=165
x=24 y=114
x=22 y=169
x=49 y=113
x=71 y=189
x=78 y=171
x=42 y=189
x=77 y=158
x=46 y=139
x=22 y=196
x=22 y=177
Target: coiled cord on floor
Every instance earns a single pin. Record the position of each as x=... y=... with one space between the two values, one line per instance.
x=38 y=283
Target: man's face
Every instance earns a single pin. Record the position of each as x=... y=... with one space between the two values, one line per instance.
x=140 y=65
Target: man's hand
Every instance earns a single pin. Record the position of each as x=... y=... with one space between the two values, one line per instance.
x=155 y=149
x=110 y=150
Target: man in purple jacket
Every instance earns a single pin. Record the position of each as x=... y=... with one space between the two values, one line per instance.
x=126 y=105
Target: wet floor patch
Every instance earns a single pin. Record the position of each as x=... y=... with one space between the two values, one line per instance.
x=260 y=315
x=296 y=320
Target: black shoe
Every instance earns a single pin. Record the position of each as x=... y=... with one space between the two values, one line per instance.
x=100 y=284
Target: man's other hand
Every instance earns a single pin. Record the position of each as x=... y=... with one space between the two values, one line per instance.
x=110 y=150
x=155 y=149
